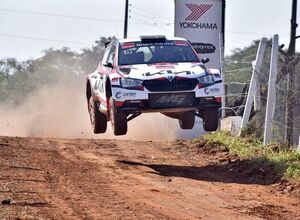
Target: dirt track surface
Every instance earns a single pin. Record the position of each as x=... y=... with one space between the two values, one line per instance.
x=110 y=179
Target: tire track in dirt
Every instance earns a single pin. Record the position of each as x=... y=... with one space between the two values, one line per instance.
x=112 y=179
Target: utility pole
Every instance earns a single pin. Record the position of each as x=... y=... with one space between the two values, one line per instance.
x=126 y=19
x=294 y=25
x=290 y=62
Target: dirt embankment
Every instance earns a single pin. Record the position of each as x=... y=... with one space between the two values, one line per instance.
x=111 y=179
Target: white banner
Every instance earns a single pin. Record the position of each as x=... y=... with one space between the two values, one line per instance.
x=200 y=22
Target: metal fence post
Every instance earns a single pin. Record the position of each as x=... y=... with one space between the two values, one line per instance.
x=253 y=84
x=222 y=67
x=271 y=92
x=257 y=95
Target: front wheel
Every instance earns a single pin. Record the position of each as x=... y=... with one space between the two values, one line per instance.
x=118 y=119
x=187 y=120
x=210 y=119
x=98 y=119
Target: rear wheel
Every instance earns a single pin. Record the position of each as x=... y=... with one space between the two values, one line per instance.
x=98 y=119
x=187 y=120
x=210 y=119
x=118 y=119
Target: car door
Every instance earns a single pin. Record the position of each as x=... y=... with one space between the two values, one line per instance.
x=105 y=68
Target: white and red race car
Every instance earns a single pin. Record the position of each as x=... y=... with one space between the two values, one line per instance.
x=153 y=74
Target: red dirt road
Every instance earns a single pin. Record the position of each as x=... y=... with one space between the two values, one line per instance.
x=110 y=179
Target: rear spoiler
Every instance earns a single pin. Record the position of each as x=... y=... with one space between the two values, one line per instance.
x=153 y=39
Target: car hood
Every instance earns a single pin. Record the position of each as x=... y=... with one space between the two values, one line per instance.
x=163 y=70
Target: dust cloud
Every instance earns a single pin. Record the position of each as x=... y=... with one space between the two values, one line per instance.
x=60 y=111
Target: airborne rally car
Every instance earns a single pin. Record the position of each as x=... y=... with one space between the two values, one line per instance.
x=152 y=74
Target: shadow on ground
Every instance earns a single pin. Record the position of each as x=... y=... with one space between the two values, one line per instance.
x=239 y=171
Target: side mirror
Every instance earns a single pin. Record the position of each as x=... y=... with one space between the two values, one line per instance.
x=108 y=64
x=204 y=61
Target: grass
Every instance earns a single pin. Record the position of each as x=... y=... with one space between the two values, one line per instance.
x=286 y=160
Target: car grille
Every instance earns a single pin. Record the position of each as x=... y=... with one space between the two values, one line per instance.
x=174 y=85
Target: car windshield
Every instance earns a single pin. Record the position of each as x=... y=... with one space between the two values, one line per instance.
x=156 y=52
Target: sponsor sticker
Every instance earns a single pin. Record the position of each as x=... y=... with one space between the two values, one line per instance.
x=162 y=66
x=129 y=94
x=125 y=94
x=204 y=47
x=118 y=95
x=211 y=90
x=129 y=51
x=168 y=43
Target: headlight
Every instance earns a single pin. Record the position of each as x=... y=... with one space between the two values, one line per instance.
x=206 y=80
x=129 y=83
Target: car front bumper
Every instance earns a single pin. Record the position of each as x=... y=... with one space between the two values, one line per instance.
x=145 y=106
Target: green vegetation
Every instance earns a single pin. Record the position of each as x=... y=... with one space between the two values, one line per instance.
x=18 y=80
x=285 y=160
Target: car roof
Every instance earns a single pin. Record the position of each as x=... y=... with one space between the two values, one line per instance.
x=139 y=39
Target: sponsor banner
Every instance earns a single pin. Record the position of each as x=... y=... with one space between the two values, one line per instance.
x=200 y=22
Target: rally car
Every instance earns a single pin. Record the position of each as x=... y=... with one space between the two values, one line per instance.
x=152 y=74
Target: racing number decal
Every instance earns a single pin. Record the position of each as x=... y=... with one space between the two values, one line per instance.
x=172 y=99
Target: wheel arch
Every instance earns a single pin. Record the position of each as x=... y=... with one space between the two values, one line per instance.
x=108 y=89
x=88 y=90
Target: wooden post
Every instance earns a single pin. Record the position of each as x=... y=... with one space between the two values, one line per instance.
x=271 y=92
x=254 y=79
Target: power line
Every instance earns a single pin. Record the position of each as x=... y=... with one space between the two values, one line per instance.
x=59 y=15
x=72 y=17
x=152 y=19
x=148 y=12
x=141 y=22
x=142 y=15
x=43 y=39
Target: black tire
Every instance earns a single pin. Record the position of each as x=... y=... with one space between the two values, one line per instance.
x=118 y=119
x=211 y=119
x=187 y=120
x=98 y=119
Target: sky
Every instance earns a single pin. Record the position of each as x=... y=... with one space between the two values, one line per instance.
x=28 y=27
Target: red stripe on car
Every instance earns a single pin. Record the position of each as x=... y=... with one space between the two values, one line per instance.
x=180 y=43
x=127 y=45
x=218 y=99
x=119 y=103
